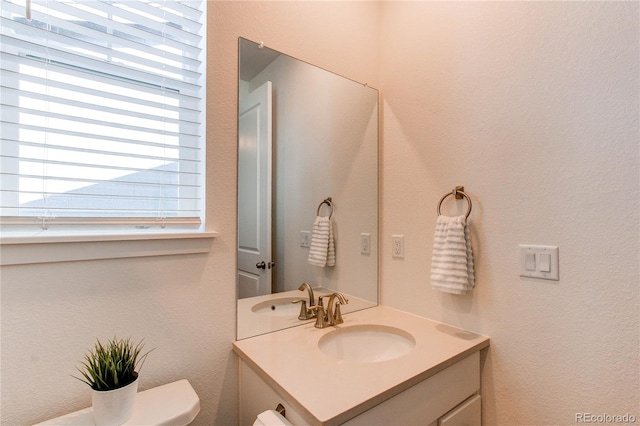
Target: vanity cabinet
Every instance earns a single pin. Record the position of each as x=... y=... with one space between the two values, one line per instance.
x=449 y=397
x=437 y=382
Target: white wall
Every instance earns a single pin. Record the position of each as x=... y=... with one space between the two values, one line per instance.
x=184 y=306
x=533 y=107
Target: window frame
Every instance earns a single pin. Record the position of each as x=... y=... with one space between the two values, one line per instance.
x=67 y=248
x=75 y=231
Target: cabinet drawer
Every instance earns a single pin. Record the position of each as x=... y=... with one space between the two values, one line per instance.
x=469 y=413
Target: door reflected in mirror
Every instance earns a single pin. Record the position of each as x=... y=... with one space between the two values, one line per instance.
x=304 y=135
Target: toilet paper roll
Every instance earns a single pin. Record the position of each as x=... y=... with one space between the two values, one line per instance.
x=271 y=418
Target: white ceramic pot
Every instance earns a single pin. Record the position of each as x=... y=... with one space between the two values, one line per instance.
x=114 y=407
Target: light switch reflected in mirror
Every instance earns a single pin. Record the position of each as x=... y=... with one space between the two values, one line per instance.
x=304 y=134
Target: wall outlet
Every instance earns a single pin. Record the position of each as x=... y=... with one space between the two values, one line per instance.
x=365 y=243
x=305 y=239
x=397 y=246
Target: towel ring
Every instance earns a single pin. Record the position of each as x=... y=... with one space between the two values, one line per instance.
x=459 y=193
x=328 y=202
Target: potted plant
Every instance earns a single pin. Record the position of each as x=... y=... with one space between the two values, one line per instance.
x=111 y=370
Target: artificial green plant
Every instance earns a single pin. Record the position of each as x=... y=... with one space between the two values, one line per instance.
x=112 y=365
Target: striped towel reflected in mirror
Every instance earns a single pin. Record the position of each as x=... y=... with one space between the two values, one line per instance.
x=322 y=250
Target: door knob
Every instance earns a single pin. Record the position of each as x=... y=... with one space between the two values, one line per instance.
x=261 y=265
x=271 y=264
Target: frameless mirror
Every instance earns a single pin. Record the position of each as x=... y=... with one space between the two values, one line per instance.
x=305 y=135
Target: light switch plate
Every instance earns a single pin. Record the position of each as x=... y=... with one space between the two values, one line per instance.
x=305 y=239
x=397 y=246
x=365 y=243
x=539 y=262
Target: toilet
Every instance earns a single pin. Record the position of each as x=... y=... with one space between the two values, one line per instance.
x=271 y=418
x=173 y=404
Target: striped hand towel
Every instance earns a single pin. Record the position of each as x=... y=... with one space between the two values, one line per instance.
x=452 y=261
x=322 y=250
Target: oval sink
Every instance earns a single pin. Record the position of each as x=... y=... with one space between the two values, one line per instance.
x=367 y=343
x=278 y=307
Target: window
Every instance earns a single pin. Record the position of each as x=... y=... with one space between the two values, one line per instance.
x=102 y=116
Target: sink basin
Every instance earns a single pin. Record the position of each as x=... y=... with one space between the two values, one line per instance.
x=278 y=307
x=366 y=343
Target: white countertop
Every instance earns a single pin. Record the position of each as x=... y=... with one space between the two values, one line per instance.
x=290 y=362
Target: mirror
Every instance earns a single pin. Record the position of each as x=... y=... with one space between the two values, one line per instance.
x=307 y=148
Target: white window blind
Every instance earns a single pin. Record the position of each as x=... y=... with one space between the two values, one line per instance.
x=102 y=115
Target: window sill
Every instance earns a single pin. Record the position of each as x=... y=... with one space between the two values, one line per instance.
x=66 y=248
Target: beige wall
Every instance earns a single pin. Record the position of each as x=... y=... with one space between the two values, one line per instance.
x=533 y=107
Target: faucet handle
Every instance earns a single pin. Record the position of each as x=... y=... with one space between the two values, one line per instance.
x=305 y=313
x=321 y=319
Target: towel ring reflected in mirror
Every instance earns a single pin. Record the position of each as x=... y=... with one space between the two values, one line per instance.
x=328 y=202
x=459 y=193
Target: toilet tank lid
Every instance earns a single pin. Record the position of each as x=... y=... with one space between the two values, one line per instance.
x=171 y=404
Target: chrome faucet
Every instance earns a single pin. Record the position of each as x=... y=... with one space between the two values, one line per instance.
x=330 y=316
x=306 y=313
